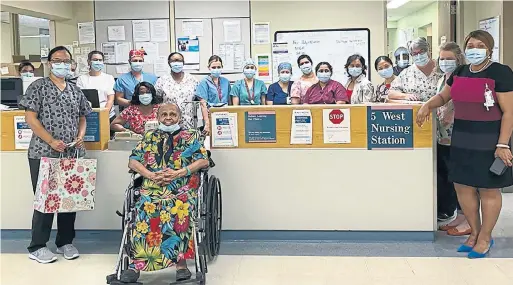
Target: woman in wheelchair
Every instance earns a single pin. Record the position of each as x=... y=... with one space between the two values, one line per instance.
x=168 y=159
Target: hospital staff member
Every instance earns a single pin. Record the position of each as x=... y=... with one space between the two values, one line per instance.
x=125 y=84
x=26 y=69
x=279 y=92
x=359 y=88
x=306 y=80
x=326 y=91
x=214 y=88
x=248 y=91
x=402 y=60
x=55 y=110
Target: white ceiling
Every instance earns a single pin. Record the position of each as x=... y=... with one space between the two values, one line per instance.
x=407 y=9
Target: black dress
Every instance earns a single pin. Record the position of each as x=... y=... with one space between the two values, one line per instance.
x=476 y=129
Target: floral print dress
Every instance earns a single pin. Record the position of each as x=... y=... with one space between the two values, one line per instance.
x=163 y=232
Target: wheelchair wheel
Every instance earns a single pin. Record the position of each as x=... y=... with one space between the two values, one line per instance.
x=213 y=218
x=217 y=216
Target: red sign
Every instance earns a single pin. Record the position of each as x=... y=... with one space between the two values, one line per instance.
x=336 y=117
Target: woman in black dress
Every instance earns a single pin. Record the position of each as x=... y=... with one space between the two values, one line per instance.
x=482 y=93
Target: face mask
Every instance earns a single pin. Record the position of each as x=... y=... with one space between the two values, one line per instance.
x=306 y=68
x=355 y=71
x=27 y=74
x=176 y=67
x=216 y=72
x=475 y=56
x=145 y=98
x=324 y=76
x=403 y=63
x=421 y=59
x=169 y=129
x=249 y=73
x=97 y=65
x=386 y=73
x=448 y=65
x=137 y=66
x=285 y=77
x=61 y=70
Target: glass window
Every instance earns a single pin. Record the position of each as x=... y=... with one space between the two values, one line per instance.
x=34 y=34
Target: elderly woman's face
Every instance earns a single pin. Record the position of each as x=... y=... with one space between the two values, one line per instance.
x=168 y=114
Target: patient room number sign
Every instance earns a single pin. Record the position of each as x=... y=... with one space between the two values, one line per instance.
x=389 y=128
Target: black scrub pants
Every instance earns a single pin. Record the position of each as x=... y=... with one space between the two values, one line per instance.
x=42 y=223
x=446 y=194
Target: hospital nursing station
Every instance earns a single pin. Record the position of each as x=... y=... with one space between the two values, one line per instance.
x=312 y=172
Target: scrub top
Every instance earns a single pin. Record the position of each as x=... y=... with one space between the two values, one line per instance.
x=276 y=94
x=126 y=83
x=210 y=92
x=240 y=90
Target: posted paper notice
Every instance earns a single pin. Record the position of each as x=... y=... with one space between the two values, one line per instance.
x=224 y=130
x=336 y=125
x=22 y=133
x=141 y=30
x=301 y=130
x=86 y=33
x=261 y=34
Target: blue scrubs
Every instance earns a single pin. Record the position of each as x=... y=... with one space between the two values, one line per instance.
x=241 y=90
x=276 y=94
x=208 y=91
x=126 y=83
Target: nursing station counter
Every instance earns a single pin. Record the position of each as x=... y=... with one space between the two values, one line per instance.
x=316 y=172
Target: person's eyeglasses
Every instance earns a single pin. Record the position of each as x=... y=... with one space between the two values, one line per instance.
x=58 y=61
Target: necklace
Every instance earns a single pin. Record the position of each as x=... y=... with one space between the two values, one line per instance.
x=482 y=68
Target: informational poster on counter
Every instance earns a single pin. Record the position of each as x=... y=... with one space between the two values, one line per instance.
x=224 y=130
x=93 y=127
x=301 y=129
x=22 y=133
x=389 y=127
x=260 y=127
x=336 y=125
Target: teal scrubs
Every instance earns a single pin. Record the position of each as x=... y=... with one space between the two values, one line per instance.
x=240 y=90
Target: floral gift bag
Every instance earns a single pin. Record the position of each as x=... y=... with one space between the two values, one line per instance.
x=65 y=185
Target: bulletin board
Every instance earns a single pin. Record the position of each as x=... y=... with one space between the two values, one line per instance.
x=332 y=45
x=212 y=42
x=122 y=14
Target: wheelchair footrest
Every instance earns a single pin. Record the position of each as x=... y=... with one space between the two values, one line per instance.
x=113 y=280
x=200 y=277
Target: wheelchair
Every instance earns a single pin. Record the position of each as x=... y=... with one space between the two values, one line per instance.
x=207 y=223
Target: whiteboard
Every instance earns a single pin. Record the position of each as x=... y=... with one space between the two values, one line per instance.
x=491 y=25
x=333 y=46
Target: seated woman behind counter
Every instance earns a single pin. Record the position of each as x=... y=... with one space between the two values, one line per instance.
x=279 y=92
x=248 y=91
x=326 y=91
x=143 y=108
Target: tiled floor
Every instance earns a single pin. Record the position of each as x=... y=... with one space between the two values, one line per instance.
x=17 y=269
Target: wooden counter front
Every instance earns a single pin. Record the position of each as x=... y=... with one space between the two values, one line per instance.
x=422 y=137
x=7 y=132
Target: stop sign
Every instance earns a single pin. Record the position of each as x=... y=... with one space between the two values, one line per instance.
x=336 y=117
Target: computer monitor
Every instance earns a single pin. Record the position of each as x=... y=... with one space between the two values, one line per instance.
x=92 y=96
x=12 y=90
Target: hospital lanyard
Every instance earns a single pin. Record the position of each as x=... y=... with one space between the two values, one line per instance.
x=219 y=91
x=251 y=96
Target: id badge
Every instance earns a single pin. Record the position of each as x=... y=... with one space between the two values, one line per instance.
x=289 y=101
x=252 y=102
x=488 y=95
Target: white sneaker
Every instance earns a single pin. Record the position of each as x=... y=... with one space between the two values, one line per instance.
x=69 y=251
x=43 y=255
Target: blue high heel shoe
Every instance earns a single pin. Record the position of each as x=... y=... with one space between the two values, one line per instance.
x=464 y=248
x=473 y=254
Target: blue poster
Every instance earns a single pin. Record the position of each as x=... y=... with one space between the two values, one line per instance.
x=260 y=127
x=389 y=127
x=93 y=127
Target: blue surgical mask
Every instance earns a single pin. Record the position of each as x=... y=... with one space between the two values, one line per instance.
x=97 y=65
x=169 y=129
x=285 y=77
x=421 y=59
x=176 y=67
x=324 y=76
x=475 y=56
x=386 y=73
x=27 y=75
x=145 y=98
x=402 y=63
x=306 y=68
x=61 y=70
x=355 y=71
x=447 y=65
x=137 y=66
x=216 y=72
x=249 y=73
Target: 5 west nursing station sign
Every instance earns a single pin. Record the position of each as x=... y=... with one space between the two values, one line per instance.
x=389 y=127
